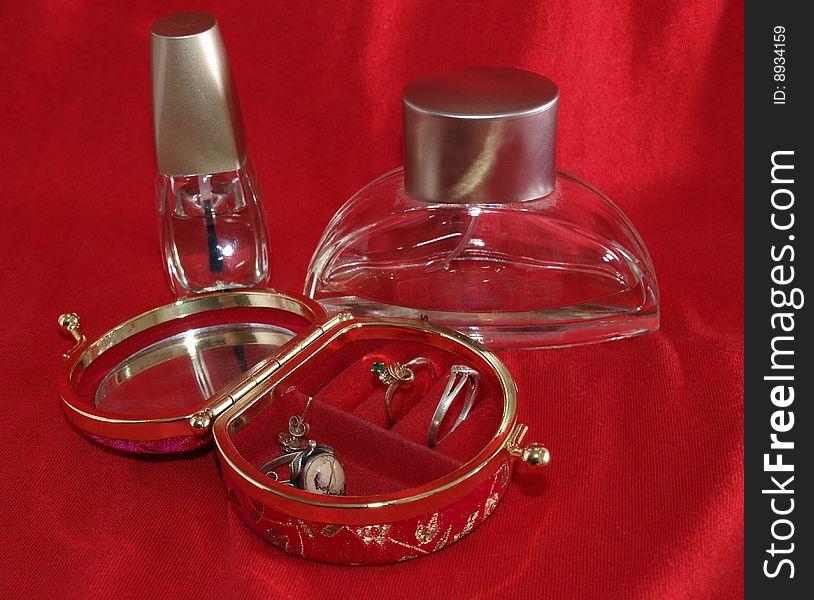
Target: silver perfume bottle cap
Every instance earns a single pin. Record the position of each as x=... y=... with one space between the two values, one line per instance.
x=480 y=135
x=198 y=128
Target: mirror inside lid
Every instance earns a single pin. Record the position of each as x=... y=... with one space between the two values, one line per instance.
x=144 y=379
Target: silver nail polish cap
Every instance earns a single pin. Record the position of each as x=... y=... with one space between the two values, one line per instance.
x=480 y=135
x=198 y=128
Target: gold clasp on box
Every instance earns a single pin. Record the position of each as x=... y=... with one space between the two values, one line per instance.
x=534 y=455
x=70 y=322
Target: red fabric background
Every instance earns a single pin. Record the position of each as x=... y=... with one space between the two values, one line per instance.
x=643 y=497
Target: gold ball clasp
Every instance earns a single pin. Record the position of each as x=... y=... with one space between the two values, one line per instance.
x=200 y=422
x=536 y=456
x=69 y=321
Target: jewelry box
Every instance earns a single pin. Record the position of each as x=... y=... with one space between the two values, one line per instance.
x=247 y=370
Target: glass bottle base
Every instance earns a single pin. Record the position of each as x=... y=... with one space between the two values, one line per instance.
x=181 y=291
x=213 y=232
x=554 y=328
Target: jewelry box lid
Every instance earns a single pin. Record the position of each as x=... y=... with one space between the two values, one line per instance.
x=152 y=383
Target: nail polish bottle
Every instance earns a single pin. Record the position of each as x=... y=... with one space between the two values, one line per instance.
x=479 y=231
x=213 y=229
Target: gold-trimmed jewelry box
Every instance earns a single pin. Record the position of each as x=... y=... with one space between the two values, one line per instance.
x=360 y=529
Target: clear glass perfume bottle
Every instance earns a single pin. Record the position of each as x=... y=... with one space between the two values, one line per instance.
x=213 y=229
x=478 y=231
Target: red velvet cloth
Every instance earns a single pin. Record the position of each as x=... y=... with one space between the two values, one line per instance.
x=643 y=498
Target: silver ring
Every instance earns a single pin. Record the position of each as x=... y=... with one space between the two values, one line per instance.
x=393 y=375
x=317 y=470
x=311 y=467
x=459 y=375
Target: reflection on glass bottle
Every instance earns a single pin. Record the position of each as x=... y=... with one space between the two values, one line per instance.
x=480 y=233
x=213 y=231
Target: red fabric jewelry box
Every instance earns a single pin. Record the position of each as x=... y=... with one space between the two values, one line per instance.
x=404 y=500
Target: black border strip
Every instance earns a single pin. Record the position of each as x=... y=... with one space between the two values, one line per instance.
x=779 y=267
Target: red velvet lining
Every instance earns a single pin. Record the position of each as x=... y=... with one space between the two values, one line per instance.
x=348 y=413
